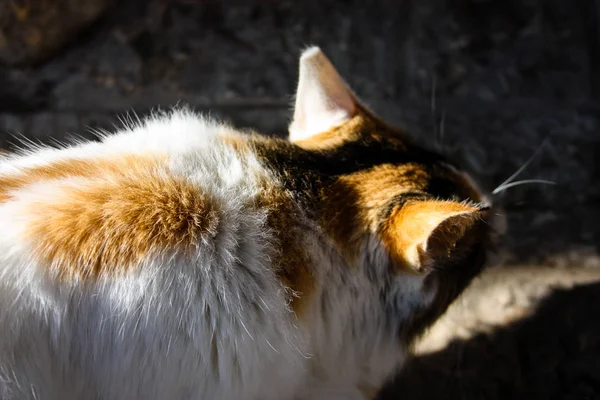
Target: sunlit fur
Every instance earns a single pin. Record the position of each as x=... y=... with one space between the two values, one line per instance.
x=181 y=259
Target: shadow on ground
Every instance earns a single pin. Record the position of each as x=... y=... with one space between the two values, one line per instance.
x=552 y=354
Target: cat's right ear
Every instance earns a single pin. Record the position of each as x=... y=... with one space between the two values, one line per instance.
x=323 y=99
x=421 y=234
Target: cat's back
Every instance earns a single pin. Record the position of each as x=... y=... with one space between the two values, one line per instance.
x=171 y=185
x=152 y=245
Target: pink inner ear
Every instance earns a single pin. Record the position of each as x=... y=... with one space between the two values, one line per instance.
x=323 y=100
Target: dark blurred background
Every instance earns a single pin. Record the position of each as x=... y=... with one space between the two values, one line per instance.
x=488 y=81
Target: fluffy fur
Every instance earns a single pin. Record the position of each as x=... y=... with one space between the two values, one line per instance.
x=179 y=258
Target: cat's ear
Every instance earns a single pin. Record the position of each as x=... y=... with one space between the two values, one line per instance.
x=421 y=234
x=323 y=99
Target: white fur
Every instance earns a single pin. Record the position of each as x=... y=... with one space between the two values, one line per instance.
x=153 y=332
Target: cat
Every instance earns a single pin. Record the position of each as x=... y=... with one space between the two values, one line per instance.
x=180 y=258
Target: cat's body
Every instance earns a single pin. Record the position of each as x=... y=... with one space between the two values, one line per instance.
x=180 y=259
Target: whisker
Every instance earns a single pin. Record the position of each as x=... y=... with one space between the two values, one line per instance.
x=525 y=165
x=505 y=186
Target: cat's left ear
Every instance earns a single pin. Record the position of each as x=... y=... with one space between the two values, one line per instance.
x=323 y=99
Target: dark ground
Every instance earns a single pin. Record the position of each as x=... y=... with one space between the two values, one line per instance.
x=486 y=80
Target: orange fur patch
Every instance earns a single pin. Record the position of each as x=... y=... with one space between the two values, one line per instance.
x=336 y=136
x=62 y=169
x=114 y=215
x=354 y=202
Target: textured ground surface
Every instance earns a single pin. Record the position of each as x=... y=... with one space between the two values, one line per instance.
x=487 y=81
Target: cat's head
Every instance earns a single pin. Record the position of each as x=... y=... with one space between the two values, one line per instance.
x=384 y=200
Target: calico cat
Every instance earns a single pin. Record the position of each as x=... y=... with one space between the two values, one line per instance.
x=182 y=259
